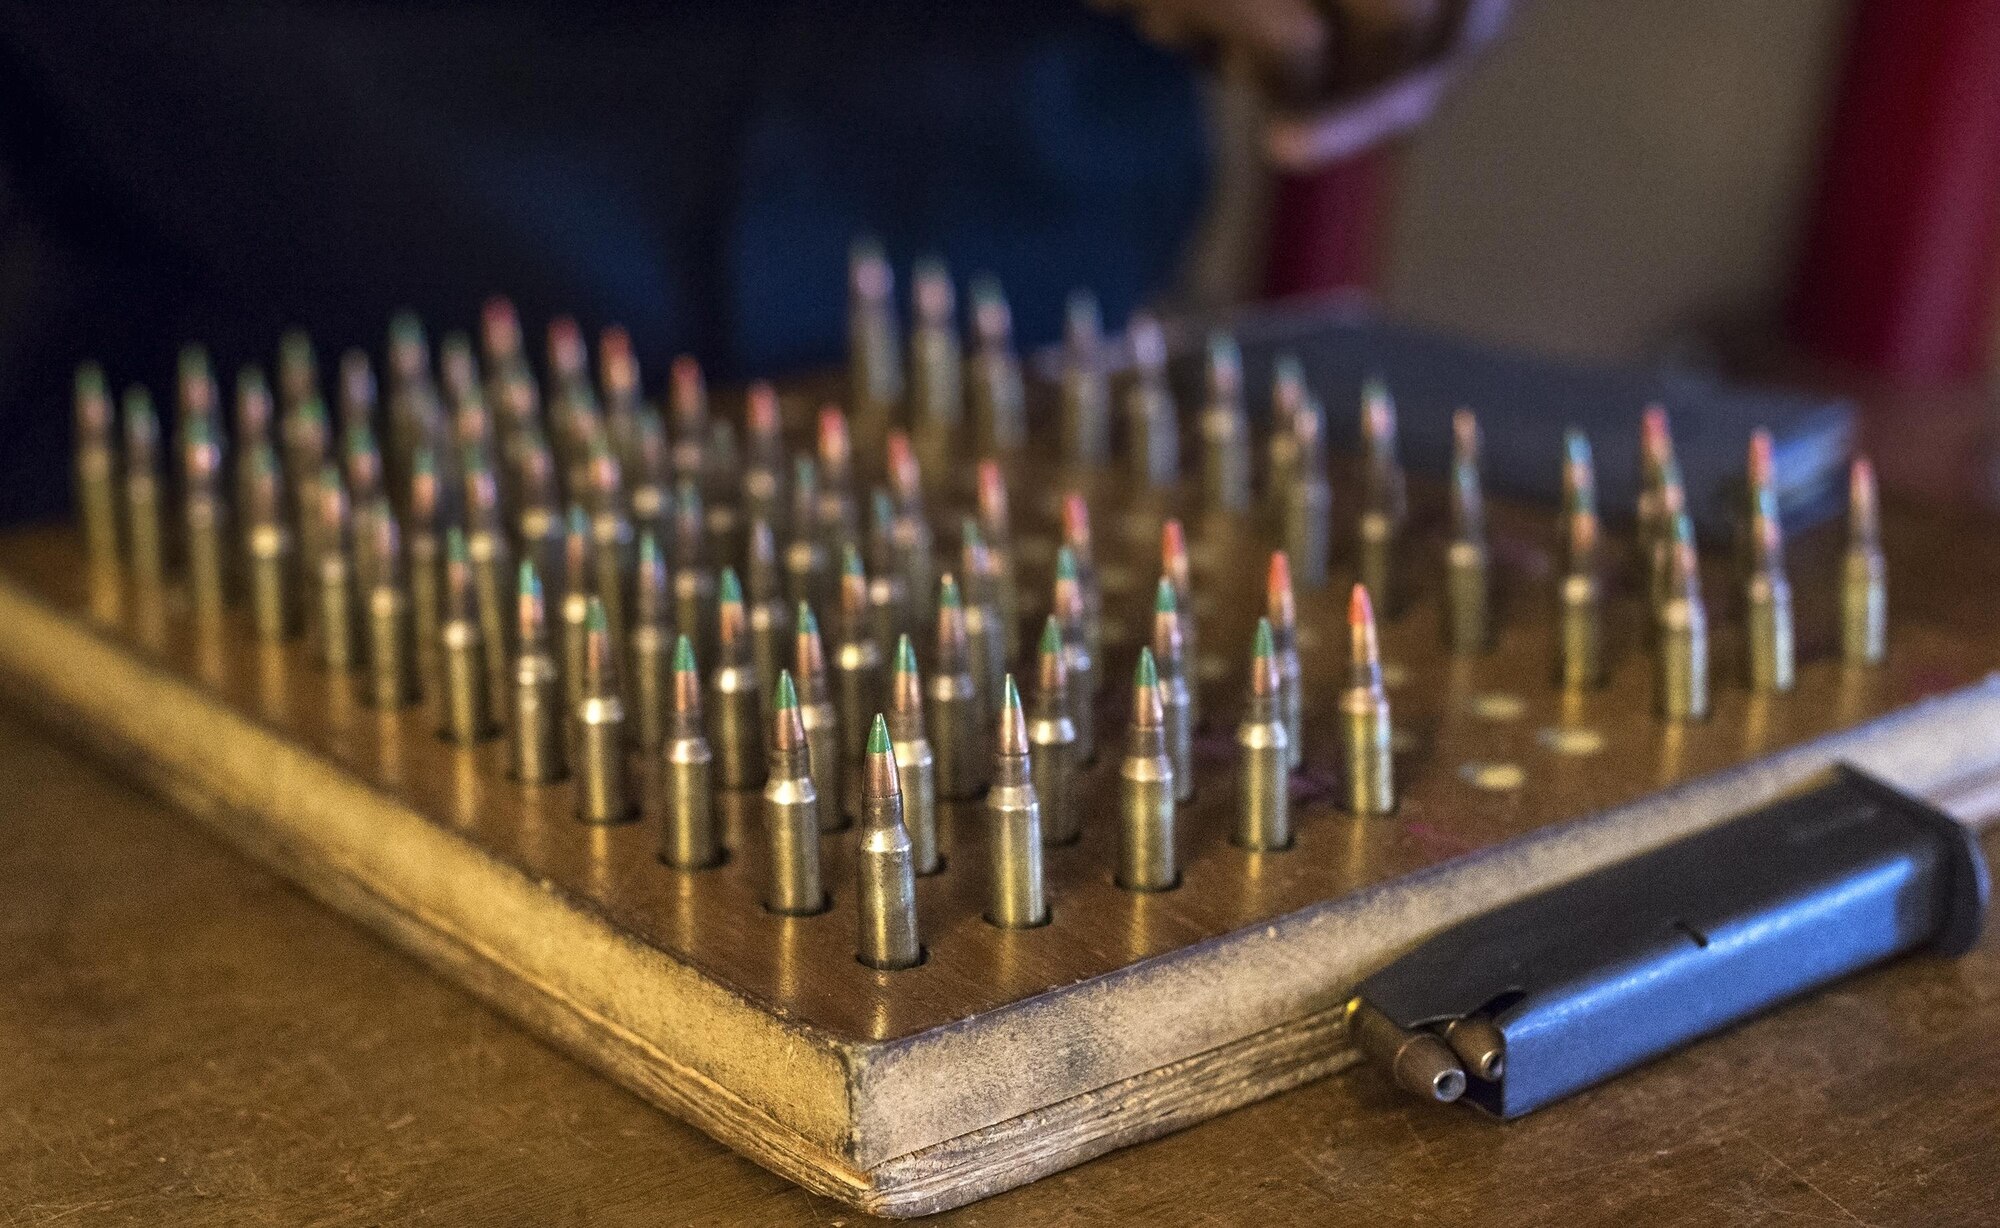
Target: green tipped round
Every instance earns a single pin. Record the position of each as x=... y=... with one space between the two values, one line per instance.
x=729 y=590
x=948 y=598
x=1010 y=697
x=683 y=656
x=878 y=736
x=850 y=561
x=1051 y=636
x=1264 y=646
x=595 y=620
x=807 y=622
x=579 y=521
x=405 y=328
x=1164 y=601
x=649 y=550
x=89 y=379
x=531 y=580
x=788 y=694
x=1148 y=674
x=968 y=530
x=1066 y=568
x=906 y=656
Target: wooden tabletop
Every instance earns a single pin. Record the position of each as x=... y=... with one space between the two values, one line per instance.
x=187 y=1039
x=190 y=1040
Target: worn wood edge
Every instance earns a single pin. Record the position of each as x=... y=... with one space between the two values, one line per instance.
x=1352 y=934
x=1146 y=1106
x=1215 y=993
x=594 y=991
x=46 y=647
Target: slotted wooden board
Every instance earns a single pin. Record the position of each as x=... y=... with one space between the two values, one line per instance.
x=1007 y=1055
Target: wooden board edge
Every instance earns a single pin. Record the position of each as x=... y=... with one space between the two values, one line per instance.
x=51 y=666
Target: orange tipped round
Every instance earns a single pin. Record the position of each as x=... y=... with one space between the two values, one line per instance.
x=1365 y=648
x=1464 y=437
x=905 y=475
x=1174 y=554
x=992 y=498
x=1076 y=523
x=1656 y=441
x=835 y=446
x=687 y=393
x=760 y=410
x=1279 y=600
x=1760 y=464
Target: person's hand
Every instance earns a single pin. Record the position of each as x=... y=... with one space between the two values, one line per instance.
x=1339 y=75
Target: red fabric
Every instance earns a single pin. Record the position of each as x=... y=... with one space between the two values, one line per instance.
x=1897 y=270
x=1326 y=227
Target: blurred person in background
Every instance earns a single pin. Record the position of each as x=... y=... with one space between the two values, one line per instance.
x=693 y=171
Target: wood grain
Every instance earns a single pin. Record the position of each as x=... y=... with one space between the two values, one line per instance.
x=191 y=1040
x=911 y=1091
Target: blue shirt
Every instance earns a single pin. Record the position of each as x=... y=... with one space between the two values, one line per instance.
x=694 y=171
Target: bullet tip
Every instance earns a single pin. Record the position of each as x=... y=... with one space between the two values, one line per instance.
x=1065 y=565
x=1655 y=438
x=1760 y=463
x=1051 y=637
x=728 y=589
x=1148 y=674
x=1264 y=645
x=683 y=655
x=1076 y=519
x=788 y=694
x=1164 y=601
x=878 y=736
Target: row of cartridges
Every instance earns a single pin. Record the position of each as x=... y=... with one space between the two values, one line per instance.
x=418 y=531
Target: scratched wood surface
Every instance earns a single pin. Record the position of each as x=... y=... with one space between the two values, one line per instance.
x=191 y=1040
x=1480 y=762
x=1481 y=758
